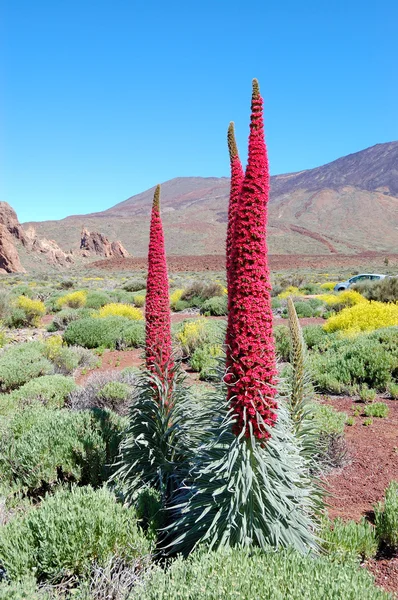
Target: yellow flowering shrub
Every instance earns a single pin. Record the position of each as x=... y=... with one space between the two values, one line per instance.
x=175 y=297
x=191 y=335
x=290 y=291
x=120 y=310
x=365 y=316
x=53 y=345
x=346 y=298
x=33 y=309
x=139 y=300
x=73 y=300
x=328 y=285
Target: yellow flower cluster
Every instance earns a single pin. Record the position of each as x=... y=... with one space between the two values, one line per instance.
x=120 y=310
x=328 y=285
x=73 y=300
x=175 y=297
x=346 y=298
x=34 y=309
x=290 y=291
x=191 y=335
x=53 y=345
x=365 y=316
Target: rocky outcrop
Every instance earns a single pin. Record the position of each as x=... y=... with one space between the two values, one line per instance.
x=9 y=258
x=94 y=243
x=48 y=248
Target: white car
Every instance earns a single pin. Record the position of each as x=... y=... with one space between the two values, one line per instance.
x=344 y=285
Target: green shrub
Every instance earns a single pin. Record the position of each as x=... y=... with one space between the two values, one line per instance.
x=216 y=307
x=200 y=291
x=181 y=305
x=343 y=540
x=329 y=420
x=366 y=394
x=393 y=390
x=245 y=575
x=136 y=284
x=282 y=342
x=204 y=361
x=386 y=517
x=355 y=361
x=122 y=296
x=150 y=511
x=96 y=299
x=377 y=409
x=40 y=447
x=21 y=363
x=3 y=338
x=314 y=336
x=67 y=533
x=51 y=390
x=276 y=303
x=109 y=332
x=115 y=391
x=195 y=333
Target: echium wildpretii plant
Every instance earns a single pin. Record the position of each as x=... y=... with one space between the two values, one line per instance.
x=250 y=484
x=250 y=350
x=158 y=350
x=160 y=437
x=237 y=177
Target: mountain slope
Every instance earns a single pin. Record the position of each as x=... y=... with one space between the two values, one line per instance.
x=349 y=205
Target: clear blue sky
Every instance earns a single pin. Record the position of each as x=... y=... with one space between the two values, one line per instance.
x=102 y=99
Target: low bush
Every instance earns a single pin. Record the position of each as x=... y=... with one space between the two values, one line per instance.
x=175 y=297
x=21 y=363
x=67 y=533
x=96 y=299
x=73 y=300
x=109 y=332
x=136 y=284
x=239 y=574
x=112 y=390
x=122 y=296
x=204 y=360
x=42 y=447
x=349 y=362
x=181 y=305
x=342 y=299
x=62 y=319
x=314 y=336
x=120 y=310
x=386 y=518
x=33 y=309
x=202 y=291
x=328 y=285
x=216 y=307
x=377 y=409
x=194 y=333
x=139 y=300
x=290 y=291
x=343 y=540
x=366 y=316
x=385 y=290
x=50 y=390
x=393 y=390
x=366 y=394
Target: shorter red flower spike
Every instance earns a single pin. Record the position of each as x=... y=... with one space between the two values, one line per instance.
x=251 y=363
x=158 y=350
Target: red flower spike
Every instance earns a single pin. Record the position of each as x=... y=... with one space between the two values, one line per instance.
x=237 y=177
x=158 y=351
x=251 y=360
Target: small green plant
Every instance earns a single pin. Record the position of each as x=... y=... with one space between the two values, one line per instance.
x=21 y=363
x=357 y=411
x=393 y=390
x=350 y=421
x=349 y=539
x=386 y=517
x=366 y=394
x=377 y=409
x=367 y=422
x=216 y=307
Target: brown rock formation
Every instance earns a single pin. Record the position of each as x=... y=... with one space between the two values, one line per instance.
x=96 y=243
x=49 y=248
x=9 y=258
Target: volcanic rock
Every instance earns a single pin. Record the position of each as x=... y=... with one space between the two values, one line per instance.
x=96 y=243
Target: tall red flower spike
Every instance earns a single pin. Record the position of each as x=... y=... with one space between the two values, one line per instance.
x=251 y=358
x=158 y=350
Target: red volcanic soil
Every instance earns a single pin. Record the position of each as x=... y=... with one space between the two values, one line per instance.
x=373 y=455
x=278 y=262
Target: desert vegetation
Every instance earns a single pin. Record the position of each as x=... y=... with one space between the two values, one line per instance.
x=174 y=435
